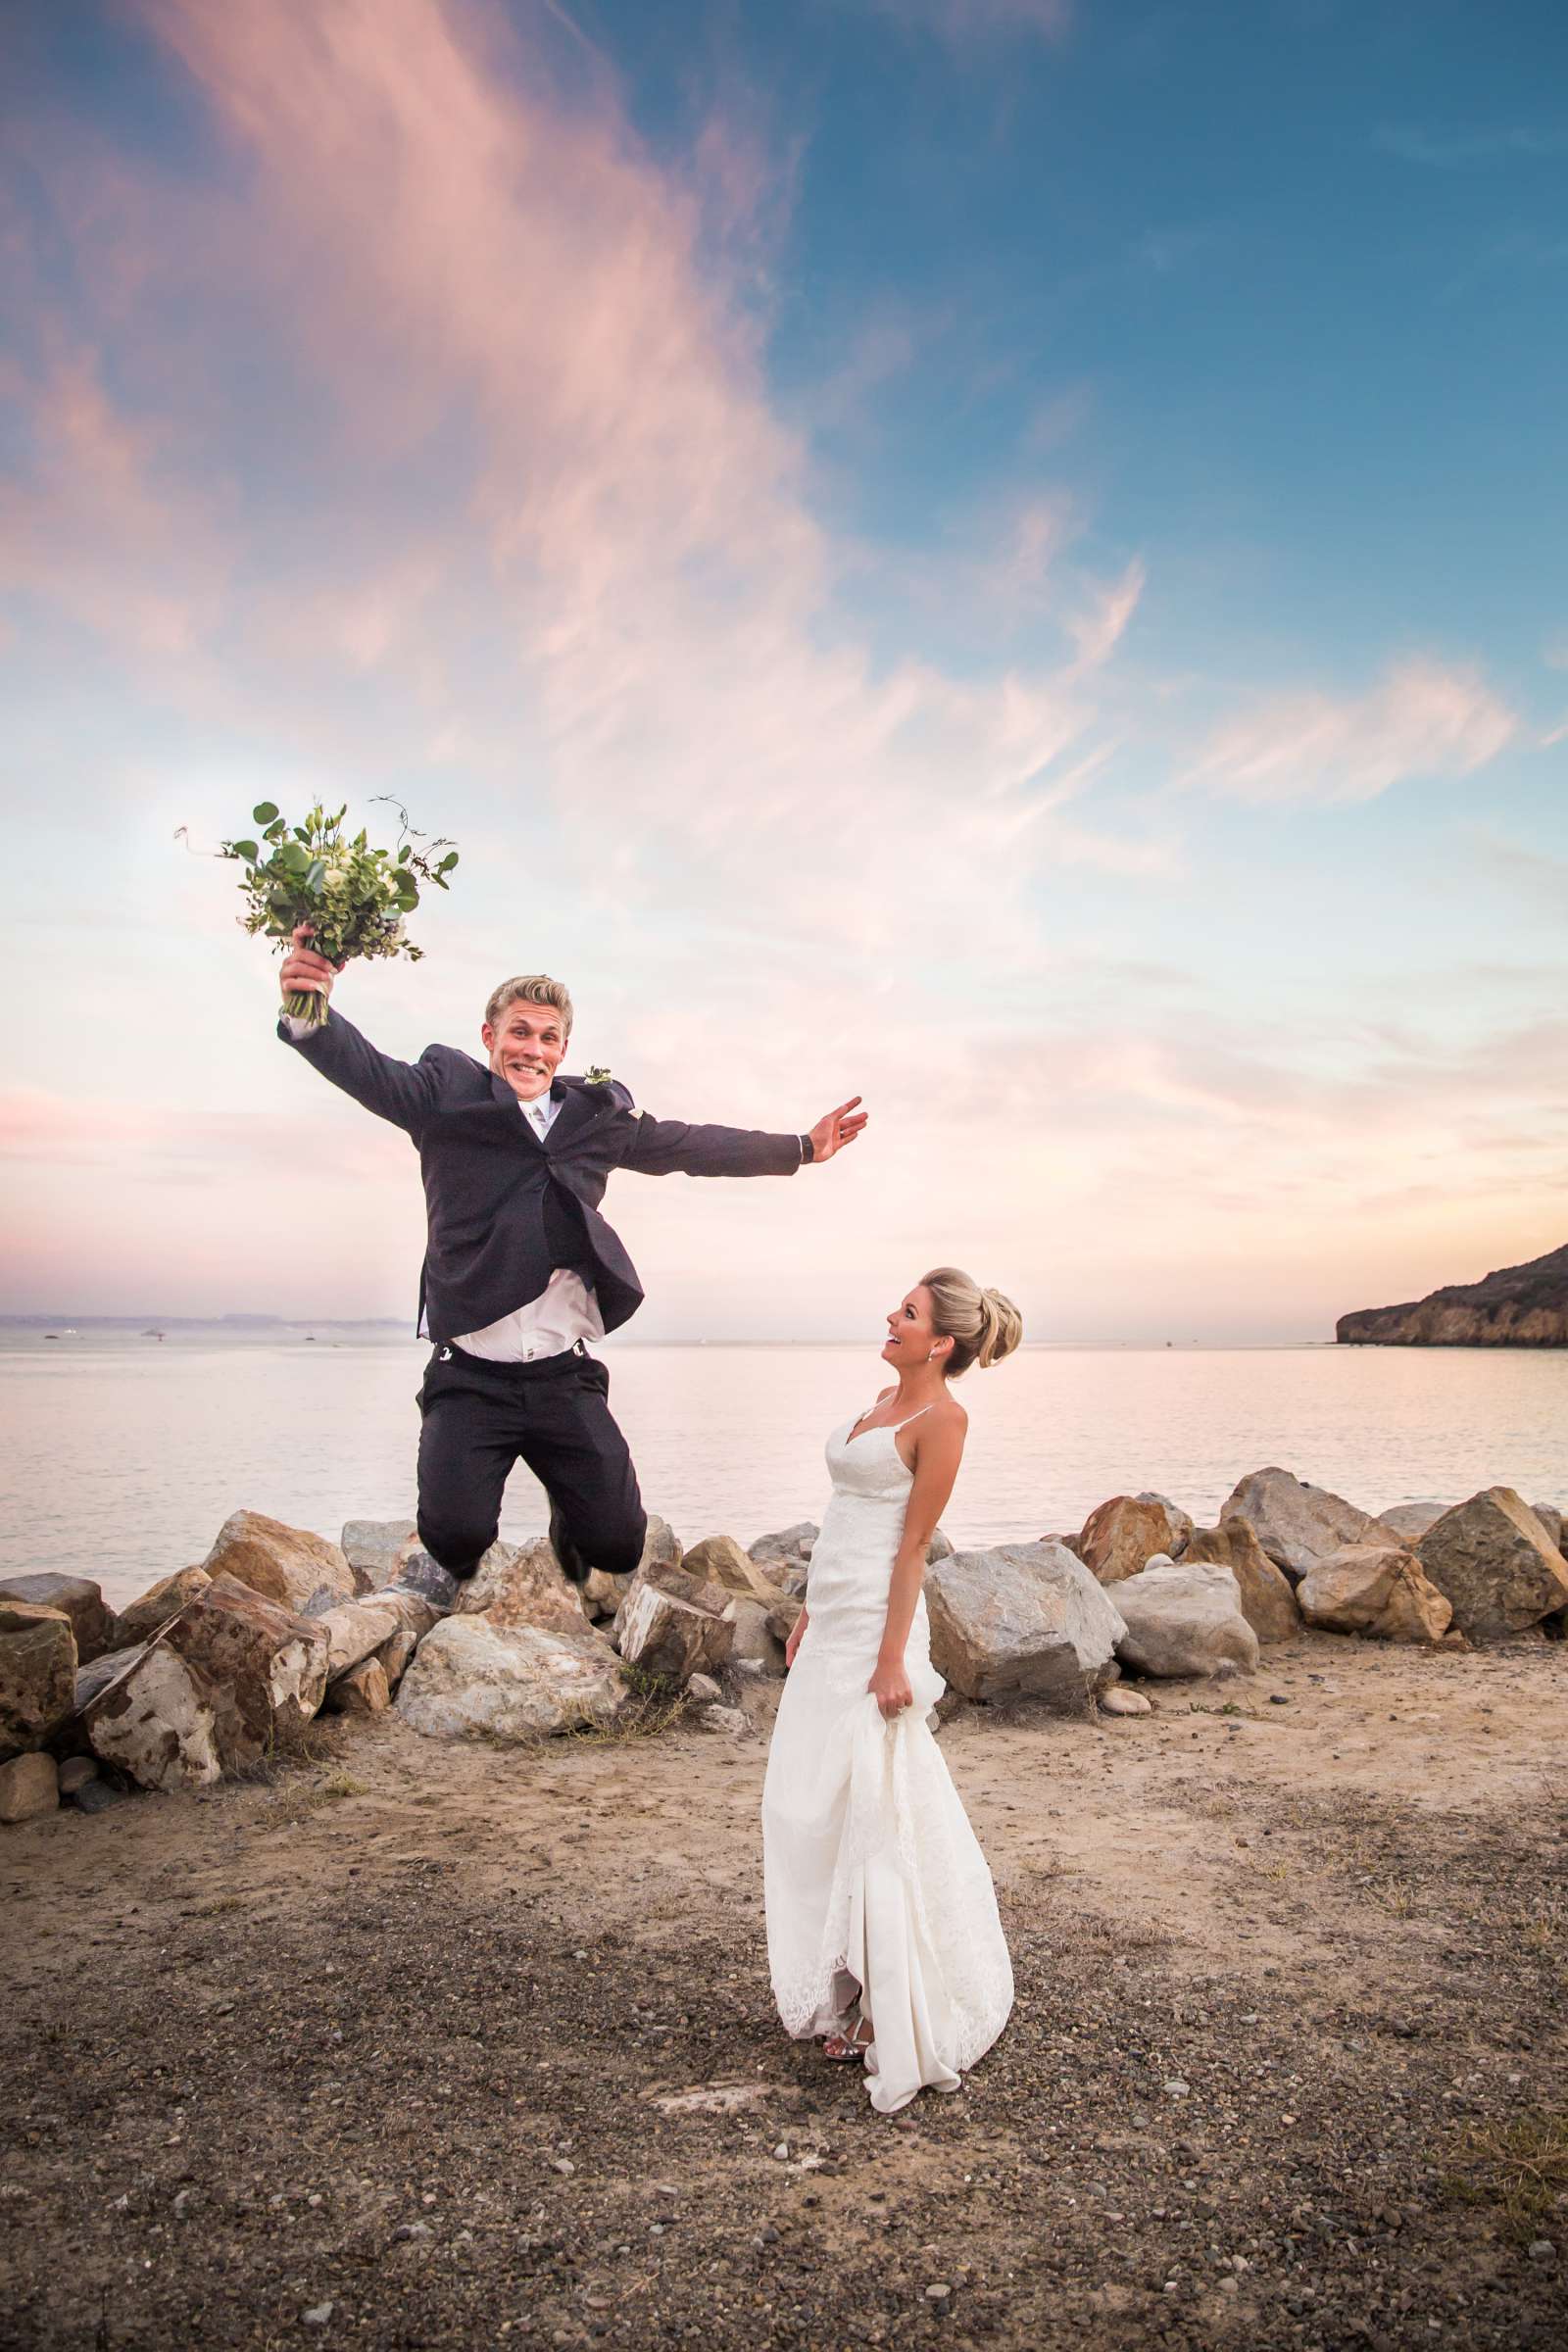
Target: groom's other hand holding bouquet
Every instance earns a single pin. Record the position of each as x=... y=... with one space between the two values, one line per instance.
x=304 y=972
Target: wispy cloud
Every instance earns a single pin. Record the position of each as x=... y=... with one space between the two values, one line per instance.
x=1456 y=149
x=1421 y=720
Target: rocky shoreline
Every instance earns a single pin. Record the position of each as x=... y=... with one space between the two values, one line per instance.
x=219 y=1667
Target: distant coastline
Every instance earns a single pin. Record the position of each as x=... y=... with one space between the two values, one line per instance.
x=1517 y=1307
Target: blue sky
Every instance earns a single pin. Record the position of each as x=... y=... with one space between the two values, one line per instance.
x=1001 y=553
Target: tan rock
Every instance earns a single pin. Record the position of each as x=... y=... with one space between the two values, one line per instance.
x=362 y=1691
x=673 y=1636
x=1375 y=1589
x=1117 y=1700
x=471 y=1679
x=154 y=1607
x=38 y=1675
x=262 y=1669
x=1025 y=1619
x=1123 y=1534
x=1496 y=1564
x=301 y=1572
x=76 y=1598
x=30 y=1785
x=394 y=1655
x=521 y=1583
x=358 y=1629
x=1184 y=1619
x=720 y=1561
x=1268 y=1601
x=1298 y=1524
x=156 y=1721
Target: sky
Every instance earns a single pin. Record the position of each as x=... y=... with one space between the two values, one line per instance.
x=1002 y=556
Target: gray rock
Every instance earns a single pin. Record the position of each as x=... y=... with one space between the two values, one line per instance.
x=97 y=1797
x=76 y=1773
x=703 y=1691
x=1298 y=1524
x=729 y=1722
x=471 y=1680
x=77 y=1598
x=1496 y=1564
x=1022 y=1618
x=432 y=1583
x=30 y=1785
x=1409 y=1521
x=1184 y=1618
x=789 y=1549
x=756 y=1645
x=376 y=1549
x=38 y=1675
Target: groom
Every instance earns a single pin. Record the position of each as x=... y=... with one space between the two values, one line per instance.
x=521 y=1269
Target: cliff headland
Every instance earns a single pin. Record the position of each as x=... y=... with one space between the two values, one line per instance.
x=1519 y=1306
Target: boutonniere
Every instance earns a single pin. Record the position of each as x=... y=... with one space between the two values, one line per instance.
x=596 y=1075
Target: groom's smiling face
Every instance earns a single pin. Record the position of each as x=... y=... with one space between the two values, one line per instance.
x=525 y=1047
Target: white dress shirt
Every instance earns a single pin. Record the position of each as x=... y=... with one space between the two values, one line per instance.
x=566 y=1310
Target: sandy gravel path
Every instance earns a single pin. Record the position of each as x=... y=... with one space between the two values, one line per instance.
x=393 y=2050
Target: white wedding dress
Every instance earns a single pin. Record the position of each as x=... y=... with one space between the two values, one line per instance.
x=875 y=1881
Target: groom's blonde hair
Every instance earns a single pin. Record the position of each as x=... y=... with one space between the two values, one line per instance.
x=529 y=988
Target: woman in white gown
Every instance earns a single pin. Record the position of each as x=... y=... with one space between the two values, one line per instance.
x=882 y=1928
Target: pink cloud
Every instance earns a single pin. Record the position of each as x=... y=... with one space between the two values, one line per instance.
x=1421 y=720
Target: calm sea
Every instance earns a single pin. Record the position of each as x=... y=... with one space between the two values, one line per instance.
x=123 y=1455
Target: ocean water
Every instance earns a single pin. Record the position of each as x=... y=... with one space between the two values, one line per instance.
x=123 y=1456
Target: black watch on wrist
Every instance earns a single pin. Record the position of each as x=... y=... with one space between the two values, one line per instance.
x=806 y=1151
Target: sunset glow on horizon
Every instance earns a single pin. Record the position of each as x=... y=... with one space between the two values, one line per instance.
x=1002 y=556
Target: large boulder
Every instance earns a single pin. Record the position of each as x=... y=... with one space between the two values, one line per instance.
x=263 y=1670
x=375 y=1549
x=1024 y=1619
x=1375 y=1589
x=154 y=1607
x=1496 y=1564
x=720 y=1561
x=1407 y=1522
x=156 y=1719
x=77 y=1597
x=301 y=1572
x=38 y=1675
x=676 y=1634
x=1298 y=1524
x=521 y=1583
x=1124 y=1535
x=472 y=1680
x=30 y=1785
x=1184 y=1618
x=1269 y=1600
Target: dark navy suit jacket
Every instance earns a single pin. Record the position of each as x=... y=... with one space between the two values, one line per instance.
x=505 y=1209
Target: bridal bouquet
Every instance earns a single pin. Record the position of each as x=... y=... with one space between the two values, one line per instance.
x=355 y=900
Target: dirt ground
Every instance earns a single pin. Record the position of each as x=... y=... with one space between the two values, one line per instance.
x=392 y=2049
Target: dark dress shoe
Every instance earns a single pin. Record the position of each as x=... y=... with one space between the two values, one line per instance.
x=573 y=1567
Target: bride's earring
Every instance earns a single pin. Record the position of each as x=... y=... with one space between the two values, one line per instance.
x=932 y=1356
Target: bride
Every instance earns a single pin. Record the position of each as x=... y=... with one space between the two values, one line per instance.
x=882 y=1928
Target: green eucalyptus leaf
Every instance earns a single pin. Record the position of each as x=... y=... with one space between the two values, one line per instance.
x=448 y=862
x=243 y=849
x=263 y=812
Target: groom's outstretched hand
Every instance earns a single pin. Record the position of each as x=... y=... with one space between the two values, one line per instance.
x=840 y=1127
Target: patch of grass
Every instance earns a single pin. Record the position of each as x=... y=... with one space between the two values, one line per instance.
x=345 y=1784
x=221 y=1903
x=1520 y=2168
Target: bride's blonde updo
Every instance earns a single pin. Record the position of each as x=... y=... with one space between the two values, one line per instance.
x=982 y=1325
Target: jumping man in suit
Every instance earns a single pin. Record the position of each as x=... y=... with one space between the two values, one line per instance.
x=520 y=1270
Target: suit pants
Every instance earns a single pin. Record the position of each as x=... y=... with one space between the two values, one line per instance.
x=480 y=1418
